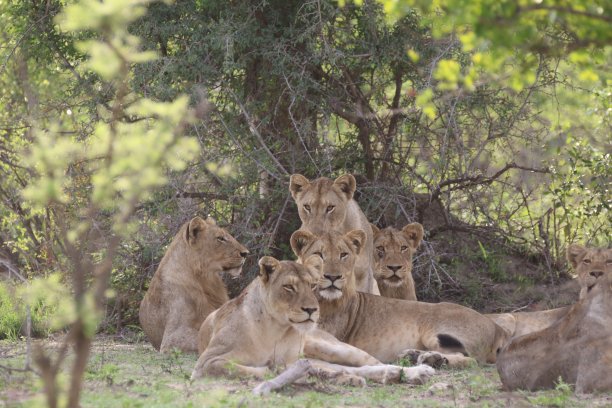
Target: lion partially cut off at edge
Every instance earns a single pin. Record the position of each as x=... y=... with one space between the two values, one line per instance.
x=187 y=285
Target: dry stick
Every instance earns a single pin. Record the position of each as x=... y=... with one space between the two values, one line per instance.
x=293 y=373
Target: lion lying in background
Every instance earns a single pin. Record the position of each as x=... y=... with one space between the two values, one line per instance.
x=328 y=205
x=270 y=322
x=577 y=348
x=393 y=251
x=389 y=328
x=187 y=285
x=589 y=263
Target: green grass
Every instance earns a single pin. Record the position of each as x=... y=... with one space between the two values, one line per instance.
x=123 y=374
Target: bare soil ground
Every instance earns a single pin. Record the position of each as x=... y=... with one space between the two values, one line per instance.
x=130 y=373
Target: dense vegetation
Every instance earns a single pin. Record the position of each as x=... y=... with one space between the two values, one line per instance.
x=488 y=122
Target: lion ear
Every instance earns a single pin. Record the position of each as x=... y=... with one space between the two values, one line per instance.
x=574 y=252
x=347 y=185
x=300 y=239
x=297 y=184
x=357 y=239
x=314 y=264
x=194 y=229
x=375 y=229
x=267 y=266
x=414 y=233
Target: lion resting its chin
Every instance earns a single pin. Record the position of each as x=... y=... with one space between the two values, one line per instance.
x=590 y=264
x=186 y=286
x=270 y=325
x=577 y=348
x=387 y=328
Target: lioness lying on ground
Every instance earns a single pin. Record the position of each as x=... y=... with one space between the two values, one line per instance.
x=589 y=263
x=577 y=348
x=389 y=328
x=393 y=251
x=328 y=205
x=186 y=286
x=268 y=324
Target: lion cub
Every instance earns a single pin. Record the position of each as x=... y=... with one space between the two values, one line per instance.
x=186 y=286
x=577 y=348
x=270 y=322
x=328 y=205
x=393 y=251
x=391 y=328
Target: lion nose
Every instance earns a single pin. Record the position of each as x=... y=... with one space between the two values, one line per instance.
x=331 y=278
x=309 y=310
x=244 y=254
x=596 y=274
x=394 y=268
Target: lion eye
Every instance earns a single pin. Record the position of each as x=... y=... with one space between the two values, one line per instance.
x=307 y=207
x=289 y=288
x=221 y=239
x=343 y=255
x=404 y=248
x=330 y=208
x=586 y=261
x=609 y=262
x=313 y=287
x=319 y=253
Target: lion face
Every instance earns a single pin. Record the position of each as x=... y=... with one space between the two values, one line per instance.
x=322 y=203
x=393 y=253
x=338 y=253
x=590 y=265
x=214 y=246
x=289 y=290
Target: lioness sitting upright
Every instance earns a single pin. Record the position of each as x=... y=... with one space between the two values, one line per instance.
x=328 y=205
x=590 y=264
x=577 y=348
x=388 y=328
x=268 y=324
x=393 y=251
x=187 y=285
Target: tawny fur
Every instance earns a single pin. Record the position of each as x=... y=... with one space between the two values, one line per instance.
x=393 y=252
x=269 y=326
x=187 y=285
x=328 y=205
x=589 y=263
x=576 y=349
x=385 y=327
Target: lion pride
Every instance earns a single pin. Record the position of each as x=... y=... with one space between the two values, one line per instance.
x=187 y=285
x=269 y=325
x=327 y=205
x=389 y=328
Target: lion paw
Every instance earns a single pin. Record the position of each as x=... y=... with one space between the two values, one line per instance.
x=411 y=355
x=350 y=380
x=432 y=359
x=418 y=374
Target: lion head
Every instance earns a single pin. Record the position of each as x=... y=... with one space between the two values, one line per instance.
x=338 y=253
x=212 y=248
x=289 y=290
x=322 y=203
x=590 y=265
x=393 y=257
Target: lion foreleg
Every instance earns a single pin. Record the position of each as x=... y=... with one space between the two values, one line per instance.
x=324 y=346
x=224 y=367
